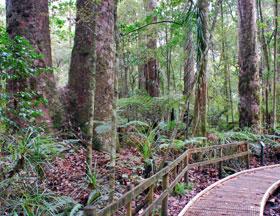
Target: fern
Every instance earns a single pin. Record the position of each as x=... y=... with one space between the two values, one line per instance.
x=149 y=109
x=31 y=199
x=137 y=124
x=76 y=209
x=103 y=127
x=247 y=135
x=180 y=189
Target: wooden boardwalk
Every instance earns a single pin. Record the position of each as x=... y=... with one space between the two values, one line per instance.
x=242 y=194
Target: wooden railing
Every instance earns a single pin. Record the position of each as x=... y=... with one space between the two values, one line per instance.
x=171 y=175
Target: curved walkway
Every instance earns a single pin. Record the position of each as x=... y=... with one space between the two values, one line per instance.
x=242 y=194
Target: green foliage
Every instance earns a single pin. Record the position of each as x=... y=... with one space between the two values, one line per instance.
x=22 y=189
x=92 y=177
x=94 y=195
x=62 y=26
x=247 y=135
x=189 y=186
x=92 y=180
x=180 y=145
x=169 y=126
x=76 y=210
x=62 y=13
x=141 y=107
x=2 y=15
x=17 y=58
x=147 y=145
x=103 y=127
x=181 y=189
x=32 y=146
x=175 y=145
x=19 y=198
x=139 y=125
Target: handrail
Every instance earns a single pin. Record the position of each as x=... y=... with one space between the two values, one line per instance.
x=267 y=195
x=184 y=161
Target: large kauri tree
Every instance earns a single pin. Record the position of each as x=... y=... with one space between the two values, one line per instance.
x=249 y=87
x=82 y=70
x=81 y=81
x=30 y=19
x=105 y=75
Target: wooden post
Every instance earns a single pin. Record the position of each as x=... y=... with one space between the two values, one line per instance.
x=221 y=164
x=129 y=209
x=262 y=152
x=165 y=184
x=175 y=172
x=129 y=204
x=90 y=212
x=186 y=175
x=248 y=156
x=151 y=195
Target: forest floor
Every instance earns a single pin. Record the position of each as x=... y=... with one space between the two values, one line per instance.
x=272 y=207
x=66 y=176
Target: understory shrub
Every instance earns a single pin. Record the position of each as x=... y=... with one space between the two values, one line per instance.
x=17 y=58
x=23 y=190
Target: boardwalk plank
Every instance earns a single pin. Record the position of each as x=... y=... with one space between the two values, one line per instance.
x=239 y=194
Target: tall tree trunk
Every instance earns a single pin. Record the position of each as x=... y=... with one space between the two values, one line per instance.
x=82 y=70
x=114 y=104
x=188 y=77
x=151 y=74
x=200 y=108
x=123 y=71
x=249 y=87
x=81 y=81
x=30 y=19
x=230 y=96
x=105 y=73
x=275 y=73
x=141 y=77
x=266 y=55
x=224 y=62
x=126 y=71
x=168 y=74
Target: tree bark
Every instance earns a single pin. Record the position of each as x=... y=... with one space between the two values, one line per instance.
x=189 y=78
x=275 y=73
x=126 y=71
x=266 y=55
x=30 y=19
x=105 y=73
x=200 y=108
x=224 y=62
x=113 y=145
x=82 y=70
x=152 y=84
x=123 y=77
x=141 y=77
x=249 y=87
x=168 y=60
